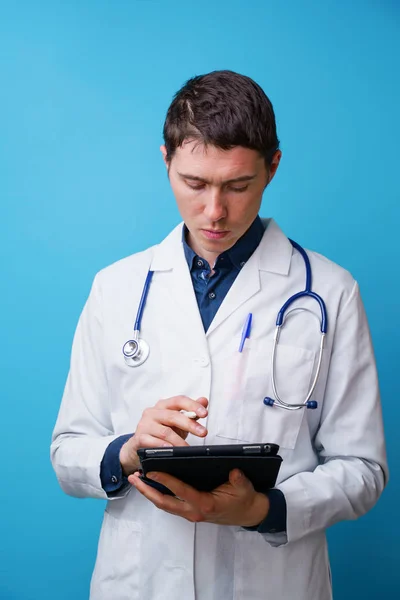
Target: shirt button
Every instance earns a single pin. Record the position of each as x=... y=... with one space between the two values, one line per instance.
x=202 y=361
x=211 y=295
x=114 y=479
x=200 y=263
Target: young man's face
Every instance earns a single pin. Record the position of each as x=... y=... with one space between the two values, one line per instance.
x=218 y=193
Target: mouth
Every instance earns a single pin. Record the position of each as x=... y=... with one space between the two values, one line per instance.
x=214 y=235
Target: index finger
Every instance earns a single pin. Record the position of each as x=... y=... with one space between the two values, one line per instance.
x=185 y=403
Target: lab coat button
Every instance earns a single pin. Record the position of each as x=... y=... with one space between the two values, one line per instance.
x=202 y=361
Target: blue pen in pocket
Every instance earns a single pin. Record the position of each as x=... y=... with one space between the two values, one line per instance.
x=246 y=331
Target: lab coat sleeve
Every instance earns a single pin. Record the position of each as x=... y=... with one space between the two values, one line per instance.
x=350 y=440
x=84 y=426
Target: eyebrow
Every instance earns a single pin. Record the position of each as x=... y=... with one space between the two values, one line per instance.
x=234 y=180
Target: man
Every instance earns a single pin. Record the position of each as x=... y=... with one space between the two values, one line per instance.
x=221 y=151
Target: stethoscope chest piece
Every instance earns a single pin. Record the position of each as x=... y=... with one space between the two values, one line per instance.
x=135 y=352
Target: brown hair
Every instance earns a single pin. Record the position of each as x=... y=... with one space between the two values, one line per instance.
x=223 y=109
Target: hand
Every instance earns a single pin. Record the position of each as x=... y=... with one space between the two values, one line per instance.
x=233 y=503
x=163 y=425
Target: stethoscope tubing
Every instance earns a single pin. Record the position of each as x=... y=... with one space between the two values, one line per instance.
x=142 y=302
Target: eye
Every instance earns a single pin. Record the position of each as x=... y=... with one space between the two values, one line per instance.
x=197 y=186
x=239 y=190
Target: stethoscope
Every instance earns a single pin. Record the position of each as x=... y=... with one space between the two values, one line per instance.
x=282 y=315
x=136 y=350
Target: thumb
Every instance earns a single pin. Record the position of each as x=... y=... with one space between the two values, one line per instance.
x=238 y=480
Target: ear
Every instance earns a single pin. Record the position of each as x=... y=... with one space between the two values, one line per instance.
x=274 y=165
x=164 y=154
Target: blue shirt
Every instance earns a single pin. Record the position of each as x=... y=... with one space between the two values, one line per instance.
x=210 y=291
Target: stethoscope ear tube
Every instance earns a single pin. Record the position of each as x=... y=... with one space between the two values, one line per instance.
x=282 y=315
x=307 y=403
x=270 y=402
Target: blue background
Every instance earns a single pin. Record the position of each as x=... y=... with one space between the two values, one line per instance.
x=84 y=87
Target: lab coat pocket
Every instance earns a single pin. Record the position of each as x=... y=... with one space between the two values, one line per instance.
x=229 y=392
x=293 y=373
x=117 y=571
x=243 y=416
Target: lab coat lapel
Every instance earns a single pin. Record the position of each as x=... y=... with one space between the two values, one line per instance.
x=273 y=254
x=246 y=284
x=169 y=257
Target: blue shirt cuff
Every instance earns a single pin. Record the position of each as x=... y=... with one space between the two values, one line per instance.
x=111 y=475
x=275 y=521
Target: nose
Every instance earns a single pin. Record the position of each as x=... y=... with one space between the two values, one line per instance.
x=215 y=208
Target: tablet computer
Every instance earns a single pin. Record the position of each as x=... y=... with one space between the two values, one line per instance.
x=207 y=467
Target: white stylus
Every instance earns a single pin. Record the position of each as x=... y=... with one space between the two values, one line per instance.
x=190 y=414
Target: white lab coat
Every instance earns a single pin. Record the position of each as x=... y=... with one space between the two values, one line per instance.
x=334 y=463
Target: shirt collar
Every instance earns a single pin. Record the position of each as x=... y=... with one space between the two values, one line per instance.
x=240 y=251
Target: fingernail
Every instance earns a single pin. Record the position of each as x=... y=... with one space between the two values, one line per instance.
x=200 y=428
x=166 y=445
x=201 y=412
